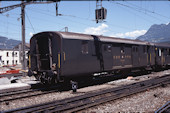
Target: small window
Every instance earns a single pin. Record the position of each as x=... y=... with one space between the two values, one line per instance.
x=16 y=62
x=12 y=54
x=84 y=48
x=168 y=51
x=7 y=62
x=7 y=54
x=16 y=54
x=159 y=52
x=122 y=50
x=108 y=48
x=13 y=62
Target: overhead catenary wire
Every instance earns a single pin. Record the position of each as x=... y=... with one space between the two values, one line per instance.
x=73 y=16
x=147 y=20
x=144 y=9
x=13 y=24
x=84 y=19
x=67 y=15
x=30 y=22
x=138 y=10
x=62 y=18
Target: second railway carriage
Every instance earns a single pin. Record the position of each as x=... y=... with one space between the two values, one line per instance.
x=162 y=55
x=55 y=56
x=126 y=54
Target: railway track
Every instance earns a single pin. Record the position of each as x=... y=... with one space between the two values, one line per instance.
x=78 y=103
x=164 y=109
x=20 y=94
x=38 y=89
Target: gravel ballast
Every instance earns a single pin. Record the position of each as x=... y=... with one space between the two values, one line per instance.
x=147 y=101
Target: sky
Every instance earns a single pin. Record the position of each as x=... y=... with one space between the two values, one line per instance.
x=125 y=19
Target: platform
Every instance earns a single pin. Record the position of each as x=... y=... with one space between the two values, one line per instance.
x=22 y=83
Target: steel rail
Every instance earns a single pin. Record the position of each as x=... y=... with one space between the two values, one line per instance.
x=34 y=87
x=15 y=92
x=17 y=95
x=163 y=108
x=78 y=103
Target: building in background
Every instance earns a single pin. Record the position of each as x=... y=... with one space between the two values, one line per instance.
x=9 y=57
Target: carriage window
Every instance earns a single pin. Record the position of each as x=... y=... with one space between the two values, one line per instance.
x=122 y=50
x=168 y=52
x=84 y=48
x=159 y=52
x=108 y=48
x=135 y=49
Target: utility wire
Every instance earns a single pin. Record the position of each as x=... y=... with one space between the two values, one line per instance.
x=136 y=14
x=141 y=17
x=62 y=14
x=137 y=10
x=30 y=22
x=61 y=17
x=73 y=16
x=15 y=24
x=153 y=12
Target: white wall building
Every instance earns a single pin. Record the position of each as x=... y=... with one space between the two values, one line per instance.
x=11 y=56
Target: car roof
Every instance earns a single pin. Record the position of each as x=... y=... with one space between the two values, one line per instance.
x=71 y=35
x=162 y=45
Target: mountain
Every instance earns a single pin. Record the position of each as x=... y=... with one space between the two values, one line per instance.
x=6 y=43
x=157 y=33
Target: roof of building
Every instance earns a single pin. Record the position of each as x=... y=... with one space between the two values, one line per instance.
x=162 y=45
x=27 y=46
x=16 y=48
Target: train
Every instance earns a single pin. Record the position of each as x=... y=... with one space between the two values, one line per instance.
x=57 y=56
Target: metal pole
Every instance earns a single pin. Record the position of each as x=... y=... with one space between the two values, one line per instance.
x=23 y=35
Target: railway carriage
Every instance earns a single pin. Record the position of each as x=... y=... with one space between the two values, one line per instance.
x=162 y=55
x=55 y=56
